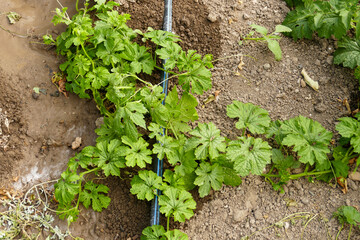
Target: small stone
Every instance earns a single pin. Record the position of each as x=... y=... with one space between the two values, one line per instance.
x=302 y=83
x=245 y=16
x=352 y=184
x=329 y=60
x=240 y=215
x=355 y=176
x=35 y=95
x=320 y=108
x=305 y=200
x=258 y=215
x=76 y=144
x=266 y=66
x=212 y=17
x=317 y=62
x=296 y=90
x=286 y=225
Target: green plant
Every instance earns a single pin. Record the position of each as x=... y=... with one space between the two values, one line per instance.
x=349 y=215
x=349 y=129
x=105 y=63
x=271 y=39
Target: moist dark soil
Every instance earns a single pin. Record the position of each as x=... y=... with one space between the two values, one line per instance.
x=37 y=129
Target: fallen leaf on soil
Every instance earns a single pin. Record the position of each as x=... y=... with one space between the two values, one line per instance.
x=15 y=179
x=13 y=17
x=241 y=64
x=60 y=82
x=217 y=93
x=343 y=184
x=230 y=21
x=355 y=112
x=209 y=99
x=76 y=144
x=353 y=160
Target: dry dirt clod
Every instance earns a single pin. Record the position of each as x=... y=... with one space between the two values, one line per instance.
x=302 y=83
x=76 y=144
x=212 y=17
x=355 y=176
x=35 y=95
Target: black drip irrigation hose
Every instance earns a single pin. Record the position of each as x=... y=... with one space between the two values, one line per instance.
x=158 y=165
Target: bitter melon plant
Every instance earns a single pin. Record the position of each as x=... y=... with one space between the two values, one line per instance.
x=104 y=62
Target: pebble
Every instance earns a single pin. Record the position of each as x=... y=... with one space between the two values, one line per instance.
x=286 y=225
x=245 y=16
x=296 y=90
x=320 y=108
x=355 y=176
x=266 y=66
x=76 y=144
x=212 y=17
x=240 y=215
x=297 y=185
x=258 y=215
x=348 y=203
x=317 y=62
x=352 y=184
x=35 y=95
x=302 y=83
x=305 y=200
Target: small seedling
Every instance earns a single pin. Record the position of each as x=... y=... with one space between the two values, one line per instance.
x=271 y=39
x=347 y=214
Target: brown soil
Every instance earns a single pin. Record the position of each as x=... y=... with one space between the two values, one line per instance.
x=35 y=148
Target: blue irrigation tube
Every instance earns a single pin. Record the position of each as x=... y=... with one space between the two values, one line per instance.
x=158 y=165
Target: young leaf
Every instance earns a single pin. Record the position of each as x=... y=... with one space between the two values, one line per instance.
x=250 y=116
x=206 y=141
x=172 y=179
x=282 y=162
x=209 y=176
x=282 y=28
x=140 y=59
x=249 y=155
x=160 y=37
x=177 y=203
x=274 y=47
x=99 y=77
x=260 y=29
x=176 y=235
x=180 y=112
x=347 y=214
x=199 y=77
x=165 y=146
x=350 y=128
x=300 y=21
x=94 y=194
x=154 y=232
x=137 y=154
x=184 y=161
x=275 y=130
x=348 y=53
x=144 y=185
x=231 y=178
x=309 y=138
x=67 y=187
x=109 y=156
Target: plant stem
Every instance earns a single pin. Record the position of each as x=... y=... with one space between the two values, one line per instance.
x=337 y=235
x=296 y=176
x=350 y=231
x=168 y=223
x=77 y=5
x=92 y=62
